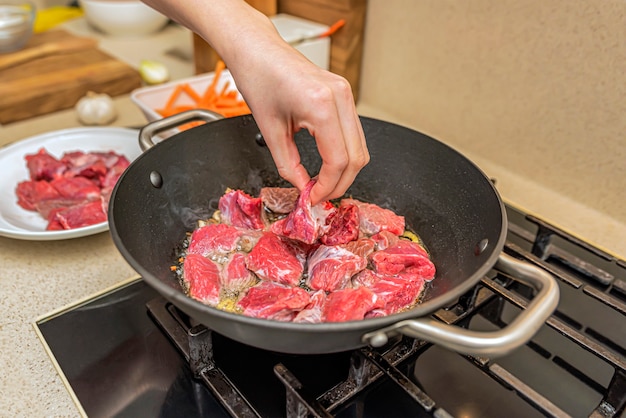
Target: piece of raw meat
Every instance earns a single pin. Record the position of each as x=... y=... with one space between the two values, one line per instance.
x=362 y=247
x=305 y=223
x=239 y=209
x=31 y=192
x=81 y=215
x=94 y=165
x=343 y=226
x=313 y=312
x=330 y=268
x=373 y=218
x=46 y=207
x=113 y=173
x=203 y=278
x=76 y=188
x=281 y=200
x=77 y=179
x=214 y=240
x=350 y=304
x=395 y=292
x=274 y=301
x=385 y=239
x=405 y=256
x=236 y=277
x=275 y=260
x=43 y=166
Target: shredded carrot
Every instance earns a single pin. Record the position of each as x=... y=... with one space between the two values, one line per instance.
x=225 y=102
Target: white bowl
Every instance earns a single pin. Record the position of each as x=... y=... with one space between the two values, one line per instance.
x=123 y=17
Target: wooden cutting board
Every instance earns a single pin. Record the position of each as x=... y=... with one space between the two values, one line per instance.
x=57 y=79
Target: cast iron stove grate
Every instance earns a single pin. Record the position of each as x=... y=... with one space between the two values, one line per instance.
x=575 y=366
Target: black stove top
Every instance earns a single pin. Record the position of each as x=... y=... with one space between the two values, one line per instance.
x=130 y=353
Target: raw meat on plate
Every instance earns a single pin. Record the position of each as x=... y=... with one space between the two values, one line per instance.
x=73 y=191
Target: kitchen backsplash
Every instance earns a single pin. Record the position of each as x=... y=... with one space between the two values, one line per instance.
x=536 y=87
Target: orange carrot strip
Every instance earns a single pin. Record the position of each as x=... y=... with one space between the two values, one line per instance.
x=191 y=93
x=219 y=67
x=173 y=97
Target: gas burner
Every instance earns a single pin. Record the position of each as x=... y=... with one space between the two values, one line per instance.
x=119 y=360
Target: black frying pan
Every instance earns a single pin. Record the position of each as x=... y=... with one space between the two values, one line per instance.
x=445 y=198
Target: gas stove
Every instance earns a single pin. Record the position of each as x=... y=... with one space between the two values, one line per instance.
x=128 y=352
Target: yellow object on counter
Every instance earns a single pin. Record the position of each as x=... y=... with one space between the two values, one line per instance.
x=53 y=16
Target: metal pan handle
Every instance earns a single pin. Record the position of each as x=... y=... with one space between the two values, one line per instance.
x=150 y=130
x=489 y=344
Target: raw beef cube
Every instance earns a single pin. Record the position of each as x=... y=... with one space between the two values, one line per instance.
x=91 y=164
x=395 y=292
x=373 y=218
x=31 y=192
x=236 y=277
x=203 y=278
x=78 y=216
x=343 y=226
x=281 y=200
x=404 y=256
x=330 y=268
x=350 y=304
x=214 y=240
x=275 y=260
x=76 y=188
x=362 y=247
x=46 y=207
x=313 y=312
x=274 y=301
x=385 y=239
x=241 y=210
x=113 y=173
x=305 y=223
x=43 y=166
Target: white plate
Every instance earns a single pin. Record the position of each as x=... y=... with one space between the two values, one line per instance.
x=16 y=222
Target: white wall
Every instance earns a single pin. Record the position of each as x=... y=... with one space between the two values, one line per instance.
x=537 y=87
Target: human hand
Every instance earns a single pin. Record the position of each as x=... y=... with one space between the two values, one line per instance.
x=318 y=101
x=284 y=90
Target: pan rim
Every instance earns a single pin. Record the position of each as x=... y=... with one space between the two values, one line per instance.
x=181 y=300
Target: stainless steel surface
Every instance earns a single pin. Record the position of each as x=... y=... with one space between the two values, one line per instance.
x=491 y=344
x=147 y=133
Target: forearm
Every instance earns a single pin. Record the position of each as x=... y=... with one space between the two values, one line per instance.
x=232 y=27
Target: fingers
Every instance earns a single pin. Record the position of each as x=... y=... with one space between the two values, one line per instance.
x=279 y=140
x=341 y=144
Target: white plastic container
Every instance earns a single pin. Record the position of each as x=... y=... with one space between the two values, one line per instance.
x=296 y=30
x=149 y=99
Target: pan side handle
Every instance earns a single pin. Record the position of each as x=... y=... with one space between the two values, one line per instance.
x=147 y=133
x=489 y=344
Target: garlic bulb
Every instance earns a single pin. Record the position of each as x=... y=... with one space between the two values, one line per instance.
x=96 y=109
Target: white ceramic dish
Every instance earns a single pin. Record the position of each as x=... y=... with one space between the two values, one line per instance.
x=16 y=222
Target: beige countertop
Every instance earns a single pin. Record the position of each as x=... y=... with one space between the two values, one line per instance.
x=40 y=277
